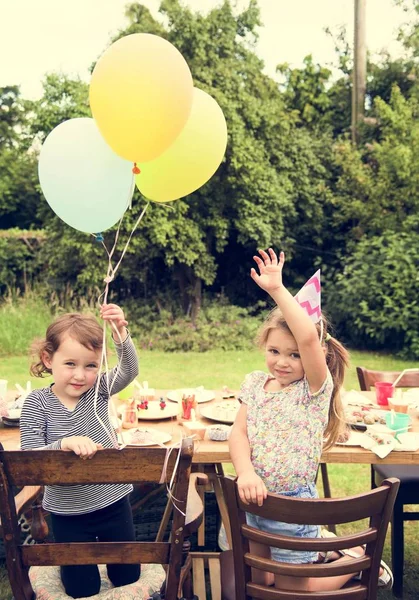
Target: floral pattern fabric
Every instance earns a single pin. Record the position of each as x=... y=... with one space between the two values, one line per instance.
x=285 y=430
x=47 y=585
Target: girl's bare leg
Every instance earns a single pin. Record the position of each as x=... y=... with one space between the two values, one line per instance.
x=258 y=576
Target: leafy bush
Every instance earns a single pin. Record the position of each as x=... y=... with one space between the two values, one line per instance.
x=374 y=303
x=218 y=326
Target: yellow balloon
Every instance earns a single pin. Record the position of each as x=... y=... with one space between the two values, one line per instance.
x=141 y=95
x=193 y=157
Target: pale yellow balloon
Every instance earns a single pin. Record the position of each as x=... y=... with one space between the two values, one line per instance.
x=193 y=157
x=141 y=95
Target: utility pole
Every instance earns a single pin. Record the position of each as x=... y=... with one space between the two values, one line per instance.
x=359 y=68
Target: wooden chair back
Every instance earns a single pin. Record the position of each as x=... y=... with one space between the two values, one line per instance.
x=368 y=378
x=375 y=505
x=130 y=465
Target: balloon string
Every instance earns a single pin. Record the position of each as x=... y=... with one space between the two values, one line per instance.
x=111 y=271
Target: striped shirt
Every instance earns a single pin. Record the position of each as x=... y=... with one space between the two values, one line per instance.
x=45 y=421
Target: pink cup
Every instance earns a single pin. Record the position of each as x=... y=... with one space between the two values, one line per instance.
x=383 y=391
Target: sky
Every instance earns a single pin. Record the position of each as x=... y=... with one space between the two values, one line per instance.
x=40 y=36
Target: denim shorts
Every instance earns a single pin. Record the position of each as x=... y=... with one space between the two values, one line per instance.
x=290 y=529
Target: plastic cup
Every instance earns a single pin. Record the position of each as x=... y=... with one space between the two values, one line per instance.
x=383 y=391
x=398 y=421
x=399 y=406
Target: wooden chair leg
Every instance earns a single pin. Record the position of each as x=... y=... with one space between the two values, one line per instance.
x=326 y=488
x=397 y=548
x=165 y=521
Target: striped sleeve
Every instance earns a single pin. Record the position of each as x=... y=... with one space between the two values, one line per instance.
x=33 y=423
x=126 y=370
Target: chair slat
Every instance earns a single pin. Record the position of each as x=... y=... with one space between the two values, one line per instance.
x=94 y=553
x=261 y=592
x=320 y=510
x=309 y=544
x=56 y=467
x=354 y=565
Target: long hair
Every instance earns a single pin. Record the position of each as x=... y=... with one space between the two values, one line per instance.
x=83 y=328
x=337 y=360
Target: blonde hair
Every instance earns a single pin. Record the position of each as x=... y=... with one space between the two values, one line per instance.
x=337 y=360
x=83 y=328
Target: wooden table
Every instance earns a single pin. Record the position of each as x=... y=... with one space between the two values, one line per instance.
x=211 y=452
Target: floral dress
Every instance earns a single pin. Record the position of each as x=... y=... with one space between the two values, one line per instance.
x=285 y=430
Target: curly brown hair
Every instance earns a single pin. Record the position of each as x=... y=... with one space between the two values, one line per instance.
x=337 y=359
x=83 y=328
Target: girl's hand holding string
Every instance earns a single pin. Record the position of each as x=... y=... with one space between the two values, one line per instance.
x=251 y=488
x=81 y=445
x=115 y=314
x=270 y=268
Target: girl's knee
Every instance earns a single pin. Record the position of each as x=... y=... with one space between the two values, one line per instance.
x=123 y=574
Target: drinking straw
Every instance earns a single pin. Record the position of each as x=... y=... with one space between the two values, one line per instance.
x=401 y=375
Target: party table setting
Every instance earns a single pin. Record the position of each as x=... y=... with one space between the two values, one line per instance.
x=387 y=431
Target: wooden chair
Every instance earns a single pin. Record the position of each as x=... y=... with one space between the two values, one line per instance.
x=236 y=566
x=408 y=475
x=130 y=465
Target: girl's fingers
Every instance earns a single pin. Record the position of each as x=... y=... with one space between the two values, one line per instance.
x=265 y=256
x=242 y=496
x=273 y=256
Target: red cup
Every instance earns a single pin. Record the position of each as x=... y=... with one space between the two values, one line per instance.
x=383 y=391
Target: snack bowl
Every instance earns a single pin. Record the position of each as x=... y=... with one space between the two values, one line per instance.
x=219 y=433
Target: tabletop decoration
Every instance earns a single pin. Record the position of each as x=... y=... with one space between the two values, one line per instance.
x=129 y=415
x=219 y=433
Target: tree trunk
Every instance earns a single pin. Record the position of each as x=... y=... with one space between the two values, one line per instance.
x=190 y=287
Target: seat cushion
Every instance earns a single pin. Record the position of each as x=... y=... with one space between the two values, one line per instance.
x=47 y=585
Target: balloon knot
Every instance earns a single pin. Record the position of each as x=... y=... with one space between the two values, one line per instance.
x=135 y=169
x=99 y=237
x=108 y=278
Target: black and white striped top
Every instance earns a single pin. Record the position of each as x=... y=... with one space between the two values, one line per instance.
x=45 y=421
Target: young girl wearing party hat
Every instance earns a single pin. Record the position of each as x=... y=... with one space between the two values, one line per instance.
x=286 y=415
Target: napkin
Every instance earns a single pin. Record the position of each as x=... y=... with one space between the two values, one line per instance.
x=381 y=450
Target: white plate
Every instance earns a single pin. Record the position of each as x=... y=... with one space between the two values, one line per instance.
x=157 y=437
x=155 y=413
x=222 y=412
x=356 y=438
x=200 y=395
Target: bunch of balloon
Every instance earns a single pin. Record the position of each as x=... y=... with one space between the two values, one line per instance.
x=145 y=111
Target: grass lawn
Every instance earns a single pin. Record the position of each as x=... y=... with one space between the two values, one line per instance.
x=217 y=368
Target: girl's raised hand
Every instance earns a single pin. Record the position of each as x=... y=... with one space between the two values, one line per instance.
x=270 y=267
x=112 y=312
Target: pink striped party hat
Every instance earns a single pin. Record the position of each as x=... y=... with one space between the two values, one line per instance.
x=309 y=297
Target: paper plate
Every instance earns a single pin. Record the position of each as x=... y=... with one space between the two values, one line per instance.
x=150 y=437
x=155 y=413
x=356 y=438
x=222 y=412
x=200 y=395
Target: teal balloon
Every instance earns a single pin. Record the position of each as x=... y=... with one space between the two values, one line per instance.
x=85 y=183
